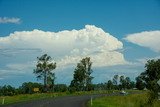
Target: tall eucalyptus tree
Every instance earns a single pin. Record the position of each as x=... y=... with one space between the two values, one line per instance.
x=43 y=70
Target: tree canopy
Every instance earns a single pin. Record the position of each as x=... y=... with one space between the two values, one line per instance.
x=43 y=70
x=82 y=79
x=151 y=75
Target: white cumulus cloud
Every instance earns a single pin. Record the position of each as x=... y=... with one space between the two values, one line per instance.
x=10 y=20
x=149 y=39
x=68 y=47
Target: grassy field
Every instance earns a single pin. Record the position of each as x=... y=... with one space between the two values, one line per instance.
x=132 y=100
x=29 y=97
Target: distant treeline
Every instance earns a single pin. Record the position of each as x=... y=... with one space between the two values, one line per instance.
x=29 y=87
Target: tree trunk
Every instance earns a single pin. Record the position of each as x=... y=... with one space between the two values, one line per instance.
x=45 y=81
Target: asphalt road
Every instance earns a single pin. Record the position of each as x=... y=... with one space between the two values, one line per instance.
x=67 y=101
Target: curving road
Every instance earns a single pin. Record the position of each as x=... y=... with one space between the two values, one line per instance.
x=67 y=101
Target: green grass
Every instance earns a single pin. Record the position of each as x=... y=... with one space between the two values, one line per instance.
x=132 y=100
x=28 y=97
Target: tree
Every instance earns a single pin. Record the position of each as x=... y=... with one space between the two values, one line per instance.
x=60 y=88
x=82 y=79
x=123 y=82
x=43 y=70
x=132 y=85
x=139 y=83
x=109 y=85
x=51 y=80
x=128 y=82
x=150 y=76
x=115 y=81
x=7 y=90
x=27 y=87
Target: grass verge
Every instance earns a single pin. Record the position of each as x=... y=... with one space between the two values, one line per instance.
x=28 y=97
x=132 y=100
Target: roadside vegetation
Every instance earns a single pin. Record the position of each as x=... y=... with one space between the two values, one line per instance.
x=148 y=79
x=132 y=100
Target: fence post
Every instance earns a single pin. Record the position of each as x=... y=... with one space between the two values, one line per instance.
x=3 y=100
x=91 y=101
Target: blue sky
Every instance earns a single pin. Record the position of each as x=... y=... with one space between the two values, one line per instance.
x=126 y=33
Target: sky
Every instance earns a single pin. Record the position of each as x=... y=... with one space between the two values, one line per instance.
x=118 y=35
